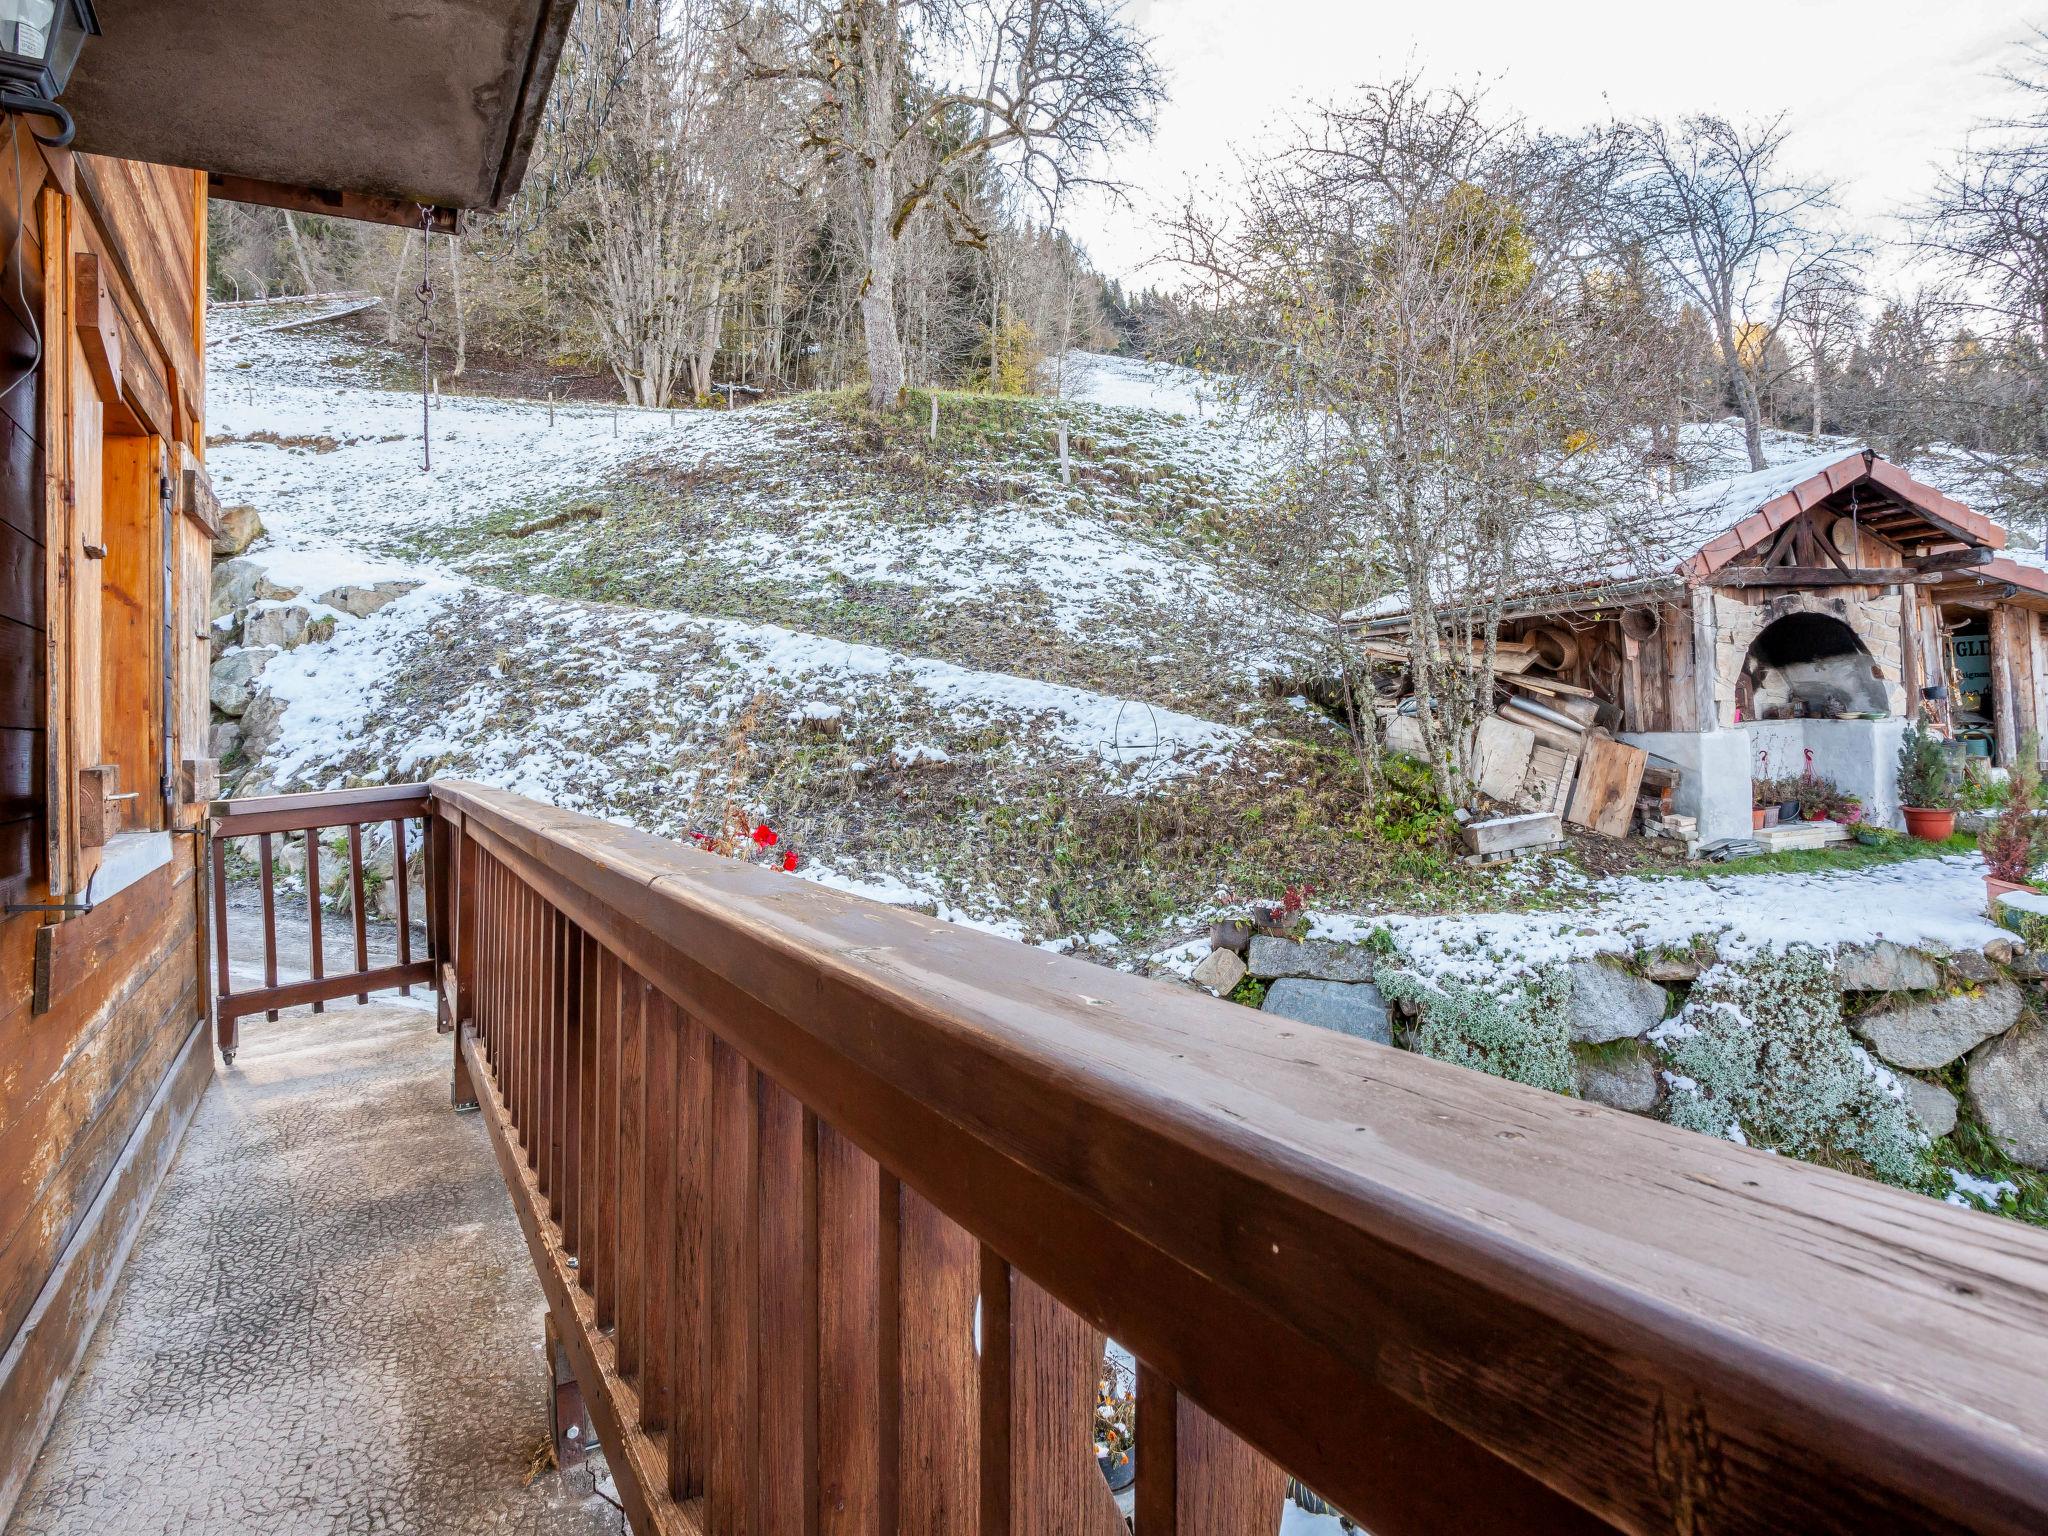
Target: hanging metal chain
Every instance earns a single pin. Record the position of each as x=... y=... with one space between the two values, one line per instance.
x=426 y=297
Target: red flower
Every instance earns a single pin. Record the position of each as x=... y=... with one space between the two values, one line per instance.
x=765 y=835
x=789 y=861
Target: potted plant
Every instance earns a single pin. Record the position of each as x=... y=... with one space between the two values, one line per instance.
x=1926 y=786
x=1116 y=1429
x=2012 y=844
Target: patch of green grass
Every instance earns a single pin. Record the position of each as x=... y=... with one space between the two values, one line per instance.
x=1802 y=861
x=1970 y=1147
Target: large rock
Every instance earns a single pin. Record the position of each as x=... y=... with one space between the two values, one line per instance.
x=1924 y=1033
x=1885 y=967
x=1608 y=1003
x=238 y=583
x=1220 y=971
x=286 y=626
x=232 y=682
x=260 y=722
x=361 y=602
x=222 y=740
x=1350 y=1008
x=1621 y=1076
x=2009 y=1092
x=239 y=528
x=1314 y=960
x=1933 y=1106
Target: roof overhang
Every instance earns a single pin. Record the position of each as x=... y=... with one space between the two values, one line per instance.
x=1896 y=504
x=361 y=108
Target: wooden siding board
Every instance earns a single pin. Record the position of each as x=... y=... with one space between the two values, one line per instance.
x=39 y=1363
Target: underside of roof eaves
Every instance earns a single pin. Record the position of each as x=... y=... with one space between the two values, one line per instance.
x=432 y=102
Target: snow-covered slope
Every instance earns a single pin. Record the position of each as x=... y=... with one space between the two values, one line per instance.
x=665 y=617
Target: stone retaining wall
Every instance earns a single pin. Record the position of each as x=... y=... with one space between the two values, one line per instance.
x=1942 y=1034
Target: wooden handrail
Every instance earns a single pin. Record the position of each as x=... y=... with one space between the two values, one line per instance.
x=264 y=819
x=1446 y=1302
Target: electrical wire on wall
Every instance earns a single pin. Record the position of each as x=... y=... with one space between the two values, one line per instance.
x=22 y=309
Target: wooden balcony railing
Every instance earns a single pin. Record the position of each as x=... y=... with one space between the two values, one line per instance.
x=834 y=1206
x=263 y=822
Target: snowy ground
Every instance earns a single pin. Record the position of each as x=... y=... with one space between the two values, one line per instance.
x=625 y=612
x=660 y=616
x=1936 y=904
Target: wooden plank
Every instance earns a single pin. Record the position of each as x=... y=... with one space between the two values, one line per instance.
x=69 y=954
x=1825 y=576
x=21 y=677
x=690 y=1368
x=1610 y=773
x=296 y=994
x=631 y=1194
x=1504 y=834
x=849 y=1339
x=363 y=207
x=1056 y=1485
x=938 y=1488
x=1194 y=1476
x=37 y=1370
x=22 y=596
x=733 y=1321
x=1500 y=757
x=787 y=1372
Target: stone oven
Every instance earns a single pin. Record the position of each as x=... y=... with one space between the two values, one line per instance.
x=1809 y=665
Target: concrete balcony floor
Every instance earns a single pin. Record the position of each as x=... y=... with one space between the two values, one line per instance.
x=328 y=1323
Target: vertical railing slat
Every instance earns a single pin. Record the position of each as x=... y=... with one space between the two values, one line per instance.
x=999 y=1396
x=269 y=918
x=227 y=1031
x=1195 y=1476
x=849 y=1338
x=400 y=876
x=689 y=1262
x=316 y=954
x=355 y=893
x=939 y=1489
x=786 y=1442
x=589 y=1094
x=658 y=1207
x=733 y=1238
x=1057 y=1487
x=572 y=1089
x=632 y=1155
x=605 y=1178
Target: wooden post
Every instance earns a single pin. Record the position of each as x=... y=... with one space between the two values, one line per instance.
x=935 y=416
x=551 y=406
x=1066 y=469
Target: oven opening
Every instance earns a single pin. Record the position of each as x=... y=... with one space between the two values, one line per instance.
x=1809 y=666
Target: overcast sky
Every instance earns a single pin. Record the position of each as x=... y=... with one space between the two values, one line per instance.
x=1879 y=90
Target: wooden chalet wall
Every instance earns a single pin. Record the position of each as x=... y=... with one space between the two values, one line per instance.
x=102 y=1046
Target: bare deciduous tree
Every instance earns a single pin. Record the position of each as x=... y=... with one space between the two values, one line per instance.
x=903 y=98
x=1712 y=205
x=1410 y=302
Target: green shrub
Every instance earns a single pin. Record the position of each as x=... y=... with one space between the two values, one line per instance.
x=1926 y=781
x=1762 y=1056
x=1520 y=1034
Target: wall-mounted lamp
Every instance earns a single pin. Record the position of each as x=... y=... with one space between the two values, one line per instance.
x=39 y=45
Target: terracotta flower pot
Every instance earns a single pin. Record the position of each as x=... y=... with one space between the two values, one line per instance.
x=1756 y=818
x=1995 y=888
x=1930 y=825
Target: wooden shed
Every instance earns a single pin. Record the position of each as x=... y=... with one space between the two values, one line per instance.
x=1797 y=616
